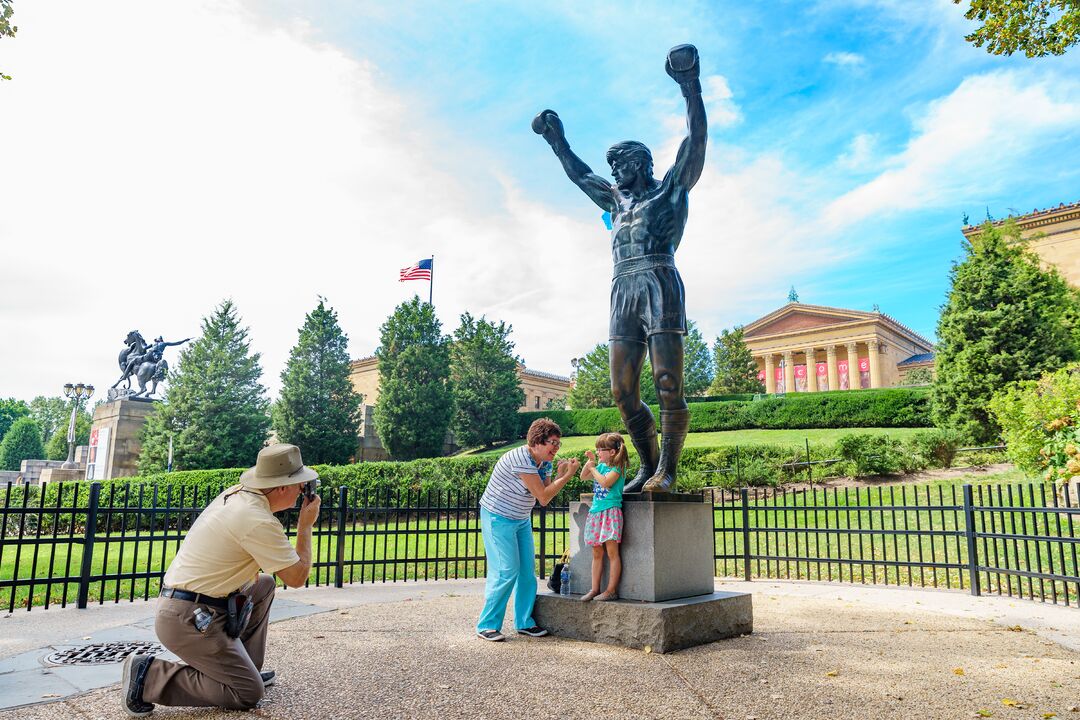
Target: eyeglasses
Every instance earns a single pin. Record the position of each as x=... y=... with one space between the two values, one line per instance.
x=554 y=442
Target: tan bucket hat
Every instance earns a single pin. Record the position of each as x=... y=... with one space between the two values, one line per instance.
x=277 y=465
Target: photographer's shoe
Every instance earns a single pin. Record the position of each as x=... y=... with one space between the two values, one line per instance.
x=131 y=687
x=268 y=677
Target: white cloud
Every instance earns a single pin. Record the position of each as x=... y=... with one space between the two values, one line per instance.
x=719 y=105
x=965 y=143
x=845 y=59
x=860 y=154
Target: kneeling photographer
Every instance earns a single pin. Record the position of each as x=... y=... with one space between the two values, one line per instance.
x=214 y=606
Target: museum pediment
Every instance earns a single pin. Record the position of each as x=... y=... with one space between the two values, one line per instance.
x=795 y=317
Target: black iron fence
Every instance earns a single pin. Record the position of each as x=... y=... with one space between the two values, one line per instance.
x=81 y=543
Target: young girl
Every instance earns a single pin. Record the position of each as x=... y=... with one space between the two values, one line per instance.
x=603 y=529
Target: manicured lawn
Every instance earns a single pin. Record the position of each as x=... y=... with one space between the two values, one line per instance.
x=735 y=437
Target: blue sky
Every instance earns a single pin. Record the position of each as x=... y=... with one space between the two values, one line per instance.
x=274 y=151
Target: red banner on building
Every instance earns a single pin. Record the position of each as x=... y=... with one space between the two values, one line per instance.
x=864 y=364
x=822 y=370
x=800 y=372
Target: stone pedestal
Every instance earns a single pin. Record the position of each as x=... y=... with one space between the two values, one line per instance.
x=117 y=426
x=661 y=627
x=667 y=548
x=52 y=475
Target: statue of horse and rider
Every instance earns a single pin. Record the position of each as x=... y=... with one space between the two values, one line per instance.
x=144 y=362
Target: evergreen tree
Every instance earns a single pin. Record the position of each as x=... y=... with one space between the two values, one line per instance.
x=736 y=369
x=484 y=376
x=319 y=410
x=592 y=381
x=697 y=368
x=415 y=401
x=1005 y=319
x=10 y=411
x=57 y=447
x=22 y=442
x=215 y=408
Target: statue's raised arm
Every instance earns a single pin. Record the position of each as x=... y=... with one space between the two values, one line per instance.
x=683 y=67
x=599 y=190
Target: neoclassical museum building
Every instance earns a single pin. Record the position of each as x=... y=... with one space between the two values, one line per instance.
x=808 y=348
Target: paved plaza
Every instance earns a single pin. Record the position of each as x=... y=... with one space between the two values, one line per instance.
x=408 y=650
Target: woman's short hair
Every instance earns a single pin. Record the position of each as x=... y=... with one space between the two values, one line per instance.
x=542 y=430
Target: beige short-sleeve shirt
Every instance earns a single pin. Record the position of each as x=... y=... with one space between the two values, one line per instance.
x=231 y=540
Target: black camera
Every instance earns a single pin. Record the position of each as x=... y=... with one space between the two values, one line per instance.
x=310 y=487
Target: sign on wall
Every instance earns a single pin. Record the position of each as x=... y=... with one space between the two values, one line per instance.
x=99 y=450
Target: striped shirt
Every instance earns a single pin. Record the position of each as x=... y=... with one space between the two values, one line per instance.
x=506 y=494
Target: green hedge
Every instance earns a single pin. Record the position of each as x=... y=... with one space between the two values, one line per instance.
x=893 y=407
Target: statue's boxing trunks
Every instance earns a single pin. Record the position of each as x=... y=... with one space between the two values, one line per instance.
x=647 y=297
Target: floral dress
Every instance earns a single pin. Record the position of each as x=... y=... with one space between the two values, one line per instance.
x=605 y=521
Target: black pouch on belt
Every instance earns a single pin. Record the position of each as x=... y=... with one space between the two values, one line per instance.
x=239 y=612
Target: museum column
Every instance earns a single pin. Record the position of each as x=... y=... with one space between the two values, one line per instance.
x=853 y=380
x=770 y=374
x=811 y=370
x=875 y=367
x=789 y=371
x=834 y=373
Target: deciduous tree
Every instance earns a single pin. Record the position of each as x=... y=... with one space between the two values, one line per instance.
x=215 y=406
x=592 y=381
x=10 y=411
x=1038 y=27
x=319 y=410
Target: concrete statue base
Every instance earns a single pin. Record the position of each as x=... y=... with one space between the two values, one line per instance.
x=667 y=547
x=659 y=627
x=667 y=599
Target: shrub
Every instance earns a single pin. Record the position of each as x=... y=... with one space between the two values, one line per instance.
x=893 y=407
x=872 y=454
x=937 y=448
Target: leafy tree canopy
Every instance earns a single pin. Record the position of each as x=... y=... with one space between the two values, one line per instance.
x=10 y=411
x=1006 y=319
x=415 y=401
x=734 y=365
x=1038 y=27
x=57 y=446
x=6 y=28
x=484 y=376
x=319 y=410
x=51 y=413
x=215 y=408
x=22 y=442
x=592 y=381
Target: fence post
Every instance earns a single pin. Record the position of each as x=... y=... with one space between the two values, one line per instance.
x=88 y=546
x=743 y=494
x=343 y=498
x=809 y=467
x=972 y=548
x=738 y=468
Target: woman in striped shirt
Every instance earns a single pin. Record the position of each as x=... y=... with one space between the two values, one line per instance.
x=520 y=478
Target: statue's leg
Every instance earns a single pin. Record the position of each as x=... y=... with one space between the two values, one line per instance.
x=666 y=355
x=627 y=357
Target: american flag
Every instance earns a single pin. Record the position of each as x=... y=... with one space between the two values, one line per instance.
x=420 y=271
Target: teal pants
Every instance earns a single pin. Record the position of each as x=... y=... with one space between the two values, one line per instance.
x=509 y=548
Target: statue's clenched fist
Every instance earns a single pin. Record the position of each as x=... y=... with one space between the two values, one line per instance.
x=682 y=65
x=548 y=124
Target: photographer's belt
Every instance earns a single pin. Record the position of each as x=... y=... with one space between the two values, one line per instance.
x=219 y=603
x=643 y=263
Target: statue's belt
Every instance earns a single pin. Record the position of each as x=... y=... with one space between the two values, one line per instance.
x=643 y=263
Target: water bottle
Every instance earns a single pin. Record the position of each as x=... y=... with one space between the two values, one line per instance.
x=564 y=580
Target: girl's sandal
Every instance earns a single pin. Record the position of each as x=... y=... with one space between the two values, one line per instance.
x=588 y=596
x=606 y=596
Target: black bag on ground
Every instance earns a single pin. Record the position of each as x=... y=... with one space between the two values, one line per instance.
x=554 y=581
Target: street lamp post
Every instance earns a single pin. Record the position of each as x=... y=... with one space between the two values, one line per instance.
x=77 y=393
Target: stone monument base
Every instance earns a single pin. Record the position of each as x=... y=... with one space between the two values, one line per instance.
x=49 y=475
x=657 y=626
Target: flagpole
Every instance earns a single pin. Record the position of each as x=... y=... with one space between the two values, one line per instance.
x=431 y=283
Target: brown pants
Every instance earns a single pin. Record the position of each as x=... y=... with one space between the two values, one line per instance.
x=221 y=671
